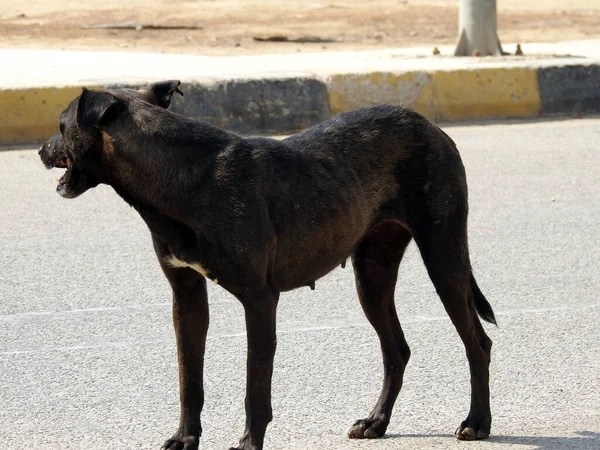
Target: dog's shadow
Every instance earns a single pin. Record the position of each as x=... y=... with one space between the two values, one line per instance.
x=585 y=440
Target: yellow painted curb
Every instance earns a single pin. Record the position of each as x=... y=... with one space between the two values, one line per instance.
x=31 y=115
x=489 y=92
x=353 y=91
x=442 y=95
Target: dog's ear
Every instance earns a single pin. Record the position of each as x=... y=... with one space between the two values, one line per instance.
x=95 y=108
x=162 y=92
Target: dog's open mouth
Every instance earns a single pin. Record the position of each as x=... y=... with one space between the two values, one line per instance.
x=63 y=163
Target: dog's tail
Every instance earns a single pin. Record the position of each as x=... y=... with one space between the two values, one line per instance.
x=482 y=306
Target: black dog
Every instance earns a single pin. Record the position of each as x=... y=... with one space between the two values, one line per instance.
x=260 y=216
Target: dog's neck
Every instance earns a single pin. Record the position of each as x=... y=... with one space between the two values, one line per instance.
x=169 y=166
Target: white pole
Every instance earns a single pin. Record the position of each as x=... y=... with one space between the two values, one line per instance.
x=477 y=29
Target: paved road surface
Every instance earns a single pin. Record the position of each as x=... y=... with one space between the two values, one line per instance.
x=87 y=357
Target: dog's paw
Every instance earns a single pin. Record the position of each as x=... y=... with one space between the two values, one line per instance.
x=470 y=430
x=368 y=429
x=178 y=442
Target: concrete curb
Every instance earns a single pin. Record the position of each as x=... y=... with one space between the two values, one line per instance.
x=287 y=104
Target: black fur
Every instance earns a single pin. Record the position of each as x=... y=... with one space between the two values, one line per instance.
x=260 y=216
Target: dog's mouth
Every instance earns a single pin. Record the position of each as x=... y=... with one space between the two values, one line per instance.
x=64 y=163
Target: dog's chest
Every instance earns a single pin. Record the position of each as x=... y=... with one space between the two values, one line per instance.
x=176 y=263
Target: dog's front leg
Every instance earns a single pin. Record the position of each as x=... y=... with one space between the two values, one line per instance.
x=190 y=318
x=260 y=311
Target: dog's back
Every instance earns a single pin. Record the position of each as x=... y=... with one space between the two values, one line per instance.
x=394 y=153
x=380 y=144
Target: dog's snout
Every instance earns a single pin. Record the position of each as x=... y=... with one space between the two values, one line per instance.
x=49 y=146
x=48 y=151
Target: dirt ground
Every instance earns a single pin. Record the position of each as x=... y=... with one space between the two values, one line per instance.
x=227 y=27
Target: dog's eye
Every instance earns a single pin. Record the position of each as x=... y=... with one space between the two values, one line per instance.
x=62 y=128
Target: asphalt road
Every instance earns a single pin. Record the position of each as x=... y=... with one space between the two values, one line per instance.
x=87 y=354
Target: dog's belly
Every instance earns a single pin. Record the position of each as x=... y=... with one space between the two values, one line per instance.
x=307 y=274
x=302 y=260
x=319 y=215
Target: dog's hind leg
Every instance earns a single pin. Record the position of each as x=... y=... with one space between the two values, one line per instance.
x=376 y=262
x=190 y=319
x=443 y=246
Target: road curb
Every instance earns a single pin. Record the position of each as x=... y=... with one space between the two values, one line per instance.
x=573 y=89
x=31 y=115
x=257 y=106
x=443 y=95
x=284 y=105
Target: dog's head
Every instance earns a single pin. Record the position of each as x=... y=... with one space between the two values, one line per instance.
x=83 y=147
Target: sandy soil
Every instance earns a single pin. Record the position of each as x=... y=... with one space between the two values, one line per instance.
x=227 y=27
